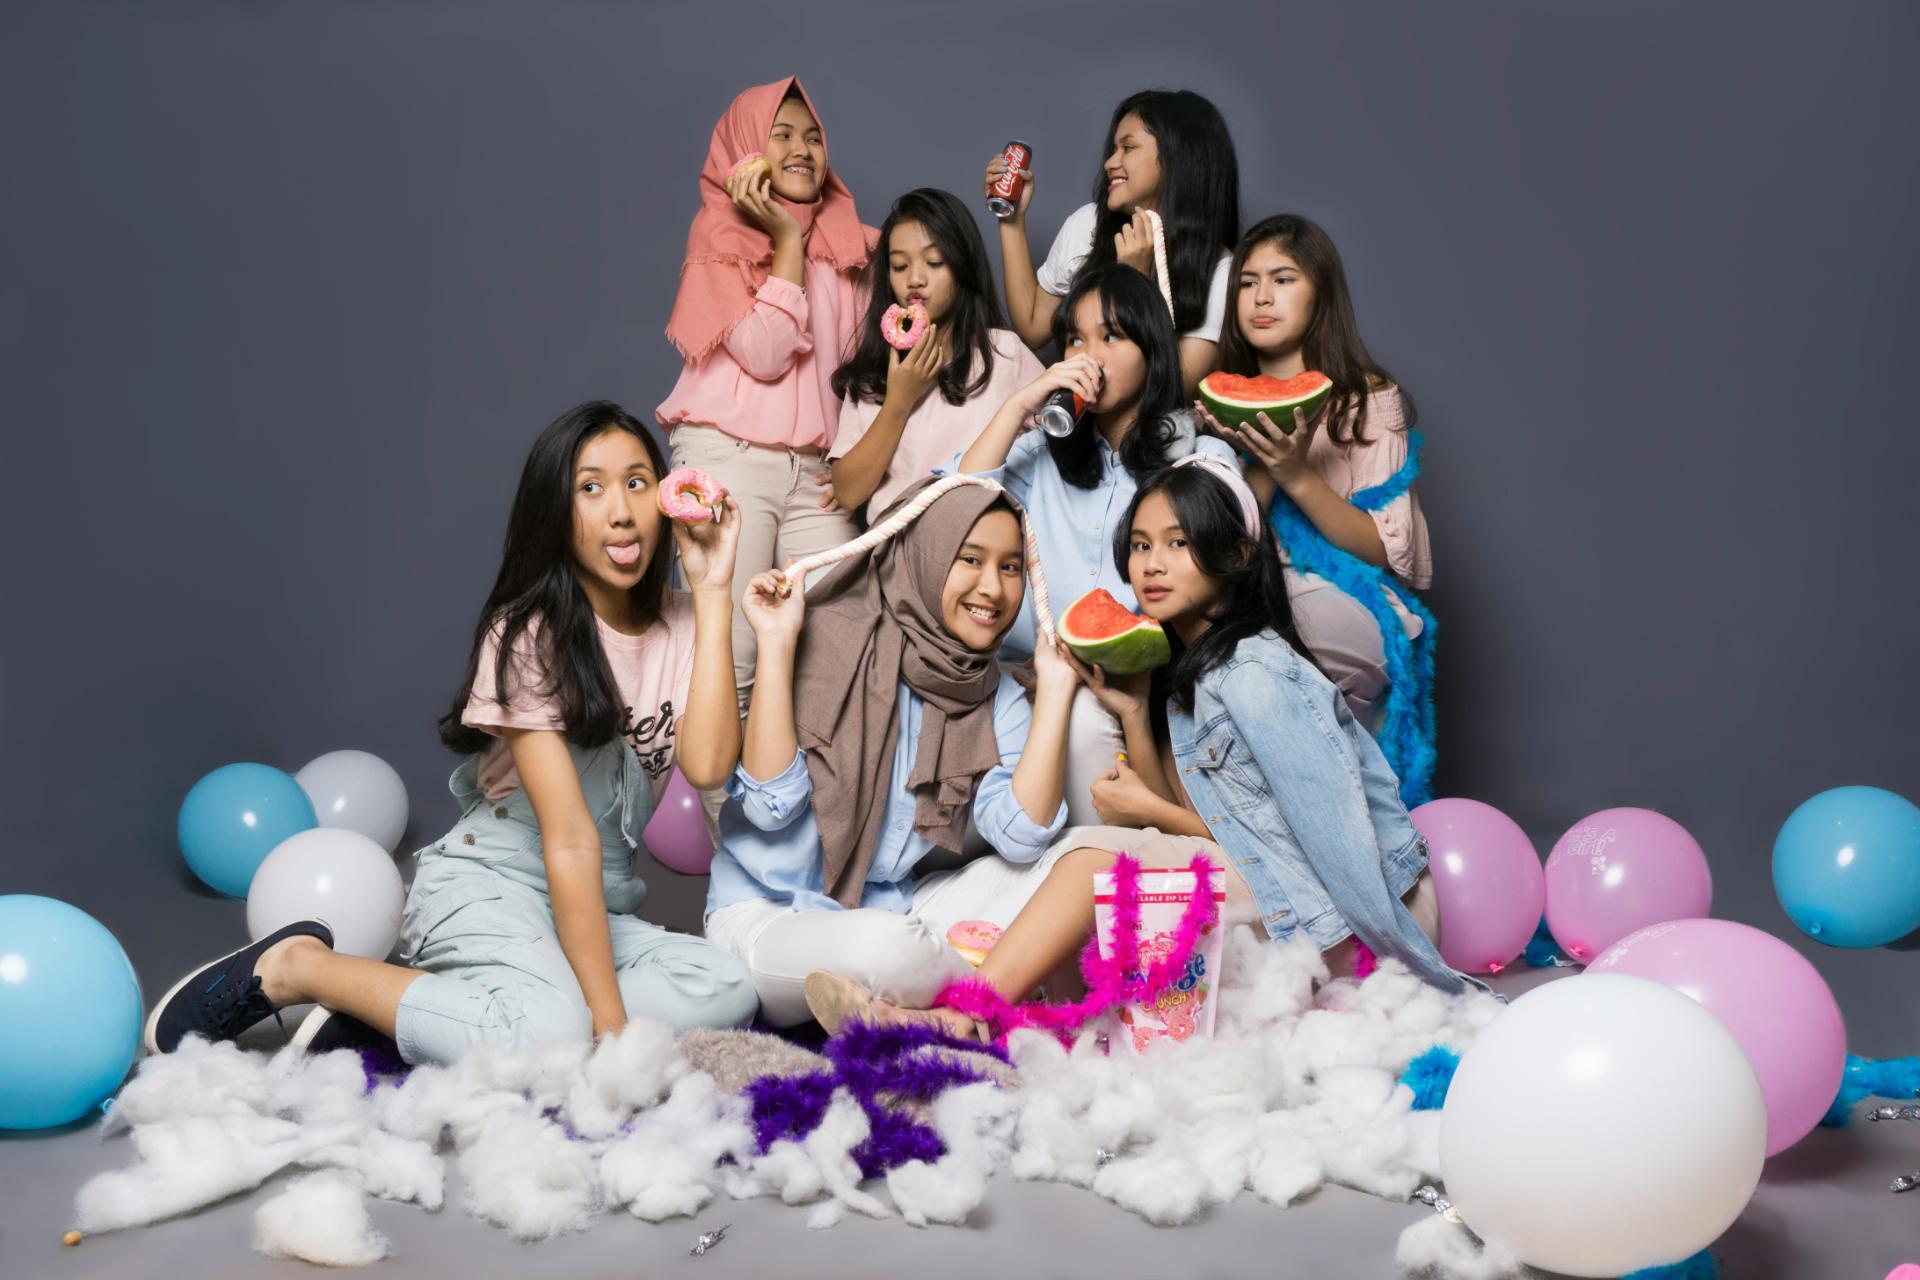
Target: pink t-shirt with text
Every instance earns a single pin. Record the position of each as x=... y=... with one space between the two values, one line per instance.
x=652 y=672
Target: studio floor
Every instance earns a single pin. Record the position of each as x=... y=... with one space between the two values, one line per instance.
x=1823 y=1212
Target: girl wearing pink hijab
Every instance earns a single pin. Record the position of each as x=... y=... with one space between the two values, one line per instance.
x=768 y=304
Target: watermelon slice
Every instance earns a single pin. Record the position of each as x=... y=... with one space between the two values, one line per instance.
x=1102 y=632
x=1235 y=400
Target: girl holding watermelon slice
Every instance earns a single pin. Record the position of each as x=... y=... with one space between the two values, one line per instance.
x=1270 y=775
x=1169 y=152
x=1122 y=362
x=1340 y=486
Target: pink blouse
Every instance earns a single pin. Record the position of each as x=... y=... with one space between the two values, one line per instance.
x=1351 y=467
x=769 y=381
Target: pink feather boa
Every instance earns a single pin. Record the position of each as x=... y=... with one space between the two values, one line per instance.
x=1108 y=983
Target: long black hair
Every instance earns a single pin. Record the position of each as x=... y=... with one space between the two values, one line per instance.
x=1133 y=307
x=1199 y=198
x=538 y=581
x=1253 y=585
x=969 y=325
x=1332 y=342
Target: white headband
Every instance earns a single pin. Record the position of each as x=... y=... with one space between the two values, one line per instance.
x=1235 y=482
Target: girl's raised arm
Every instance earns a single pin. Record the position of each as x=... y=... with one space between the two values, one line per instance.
x=709 y=744
x=989 y=452
x=775 y=611
x=1029 y=307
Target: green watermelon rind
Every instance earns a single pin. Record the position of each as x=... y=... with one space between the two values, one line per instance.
x=1141 y=647
x=1241 y=413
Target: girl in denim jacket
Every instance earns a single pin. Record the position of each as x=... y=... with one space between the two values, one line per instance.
x=1270 y=775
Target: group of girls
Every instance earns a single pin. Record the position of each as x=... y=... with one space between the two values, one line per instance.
x=899 y=744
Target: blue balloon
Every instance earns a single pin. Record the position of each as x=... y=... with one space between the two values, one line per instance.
x=1846 y=867
x=233 y=818
x=69 y=1012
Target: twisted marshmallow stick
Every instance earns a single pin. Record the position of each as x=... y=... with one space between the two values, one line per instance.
x=893 y=524
x=1160 y=258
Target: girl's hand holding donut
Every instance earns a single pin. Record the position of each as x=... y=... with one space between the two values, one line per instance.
x=707 y=548
x=751 y=190
x=910 y=374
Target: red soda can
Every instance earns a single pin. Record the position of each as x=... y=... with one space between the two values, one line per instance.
x=1004 y=201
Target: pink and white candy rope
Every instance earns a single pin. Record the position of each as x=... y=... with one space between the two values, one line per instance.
x=1160 y=258
x=890 y=527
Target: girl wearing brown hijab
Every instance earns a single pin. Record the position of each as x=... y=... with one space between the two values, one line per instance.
x=877 y=730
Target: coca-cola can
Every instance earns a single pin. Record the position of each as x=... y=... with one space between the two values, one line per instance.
x=1004 y=200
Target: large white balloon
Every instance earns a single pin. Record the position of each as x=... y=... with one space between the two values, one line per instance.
x=340 y=877
x=1602 y=1124
x=358 y=791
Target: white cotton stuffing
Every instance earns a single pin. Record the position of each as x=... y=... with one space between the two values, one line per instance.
x=523 y=1174
x=1298 y=1088
x=975 y=1121
x=1438 y=1248
x=320 y=1218
x=669 y=1166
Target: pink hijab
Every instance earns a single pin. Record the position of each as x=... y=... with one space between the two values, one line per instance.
x=728 y=256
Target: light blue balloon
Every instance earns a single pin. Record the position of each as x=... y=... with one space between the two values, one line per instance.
x=233 y=818
x=1846 y=867
x=69 y=1012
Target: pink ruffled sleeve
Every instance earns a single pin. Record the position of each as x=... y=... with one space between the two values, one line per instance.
x=1403 y=529
x=774 y=334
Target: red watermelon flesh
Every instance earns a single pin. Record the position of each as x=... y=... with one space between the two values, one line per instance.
x=1235 y=400
x=1103 y=632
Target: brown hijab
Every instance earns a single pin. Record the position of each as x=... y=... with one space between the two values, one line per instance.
x=872 y=622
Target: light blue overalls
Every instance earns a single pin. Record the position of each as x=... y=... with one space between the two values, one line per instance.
x=479 y=923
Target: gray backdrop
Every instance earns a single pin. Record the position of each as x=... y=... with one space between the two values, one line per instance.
x=290 y=287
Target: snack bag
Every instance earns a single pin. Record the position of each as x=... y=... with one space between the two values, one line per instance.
x=1186 y=1008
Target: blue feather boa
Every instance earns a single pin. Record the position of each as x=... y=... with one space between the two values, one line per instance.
x=1406 y=735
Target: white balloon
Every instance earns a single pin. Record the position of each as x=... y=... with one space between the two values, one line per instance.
x=1601 y=1124
x=358 y=791
x=339 y=877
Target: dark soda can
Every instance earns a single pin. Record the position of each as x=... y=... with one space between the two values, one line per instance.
x=1004 y=200
x=1060 y=412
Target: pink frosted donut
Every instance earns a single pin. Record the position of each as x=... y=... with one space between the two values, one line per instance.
x=903 y=326
x=752 y=160
x=973 y=939
x=691 y=496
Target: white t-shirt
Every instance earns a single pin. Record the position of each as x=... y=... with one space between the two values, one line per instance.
x=1075 y=242
x=653 y=672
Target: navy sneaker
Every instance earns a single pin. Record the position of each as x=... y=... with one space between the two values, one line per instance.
x=222 y=999
x=324 y=1030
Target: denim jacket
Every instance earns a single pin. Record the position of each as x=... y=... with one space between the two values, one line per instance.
x=1299 y=796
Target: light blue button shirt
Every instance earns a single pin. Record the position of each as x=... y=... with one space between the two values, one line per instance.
x=1075 y=527
x=770 y=845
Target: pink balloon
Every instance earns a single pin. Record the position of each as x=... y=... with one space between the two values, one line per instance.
x=1772 y=1000
x=1619 y=870
x=1489 y=880
x=676 y=835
